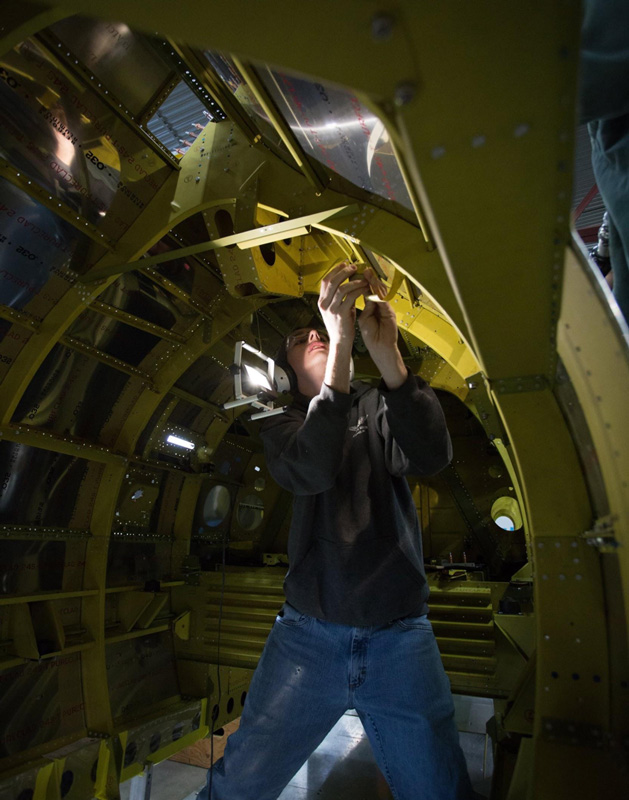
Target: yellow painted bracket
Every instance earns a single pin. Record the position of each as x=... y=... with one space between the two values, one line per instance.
x=396 y=282
x=158 y=601
x=182 y=626
x=519 y=718
x=519 y=630
x=139 y=609
x=132 y=606
x=250 y=238
x=105 y=771
x=44 y=788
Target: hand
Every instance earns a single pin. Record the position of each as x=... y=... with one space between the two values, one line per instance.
x=378 y=326
x=337 y=302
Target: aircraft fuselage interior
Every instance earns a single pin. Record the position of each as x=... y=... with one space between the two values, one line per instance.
x=176 y=179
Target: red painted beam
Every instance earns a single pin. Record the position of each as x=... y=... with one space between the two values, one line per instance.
x=585 y=203
x=589 y=235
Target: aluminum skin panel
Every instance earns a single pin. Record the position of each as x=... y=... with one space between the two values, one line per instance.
x=28 y=566
x=40 y=702
x=231 y=77
x=71 y=393
x=136 y=294
x=72 y=144
x=38 y=254
x=121 y=58
x=333 y=126
x=140 y=672
x=134 y=562
x=204 y=376
x=139 y=492
x=126 y=343
x=146 y=434
x=186 y=274
x=185 y=416
x=231 y=460
x=39 y=486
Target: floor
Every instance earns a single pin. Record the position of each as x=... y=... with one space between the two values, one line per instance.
x=342 y=767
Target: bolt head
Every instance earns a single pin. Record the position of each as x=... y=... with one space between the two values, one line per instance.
x=382 y=25
x=404 y=93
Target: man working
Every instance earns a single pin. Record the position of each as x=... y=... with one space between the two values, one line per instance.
x=354 y=631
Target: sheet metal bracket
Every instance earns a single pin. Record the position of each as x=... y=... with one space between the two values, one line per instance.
x=602 y=535
x=478 y=387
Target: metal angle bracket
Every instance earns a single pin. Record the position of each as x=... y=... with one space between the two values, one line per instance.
x=182 y=626
x=602 y=536
x=478 y=386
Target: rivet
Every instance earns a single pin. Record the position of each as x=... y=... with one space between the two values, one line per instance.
x=382 y=25
x=404 y=93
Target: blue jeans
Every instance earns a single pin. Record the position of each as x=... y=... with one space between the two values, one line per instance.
x=310 y=673
x=610 y=161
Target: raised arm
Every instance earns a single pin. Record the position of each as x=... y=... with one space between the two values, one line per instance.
x=410 y=419
x=305 y=455
x=413 y=426
x=337 y=303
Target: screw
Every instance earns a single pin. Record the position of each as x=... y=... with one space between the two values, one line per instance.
x=404 y=93
x=382 y=27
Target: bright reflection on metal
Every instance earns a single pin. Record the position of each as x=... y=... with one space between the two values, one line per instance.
x=257 y=377
x=180 y=442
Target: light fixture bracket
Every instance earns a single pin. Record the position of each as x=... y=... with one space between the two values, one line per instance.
x=262 y=400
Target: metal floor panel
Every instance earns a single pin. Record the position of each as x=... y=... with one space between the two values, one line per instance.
x=343 y=766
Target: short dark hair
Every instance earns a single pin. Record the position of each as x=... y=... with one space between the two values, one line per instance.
x=281 y=356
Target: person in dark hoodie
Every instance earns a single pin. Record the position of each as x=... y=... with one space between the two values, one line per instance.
x=353 y=633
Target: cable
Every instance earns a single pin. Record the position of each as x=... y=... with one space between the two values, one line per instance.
x=218 y=661
x=259 y=333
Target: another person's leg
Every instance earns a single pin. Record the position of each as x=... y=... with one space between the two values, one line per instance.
x=406 y=707
x=298 y=692
x=619 y=251
x=610 y=161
